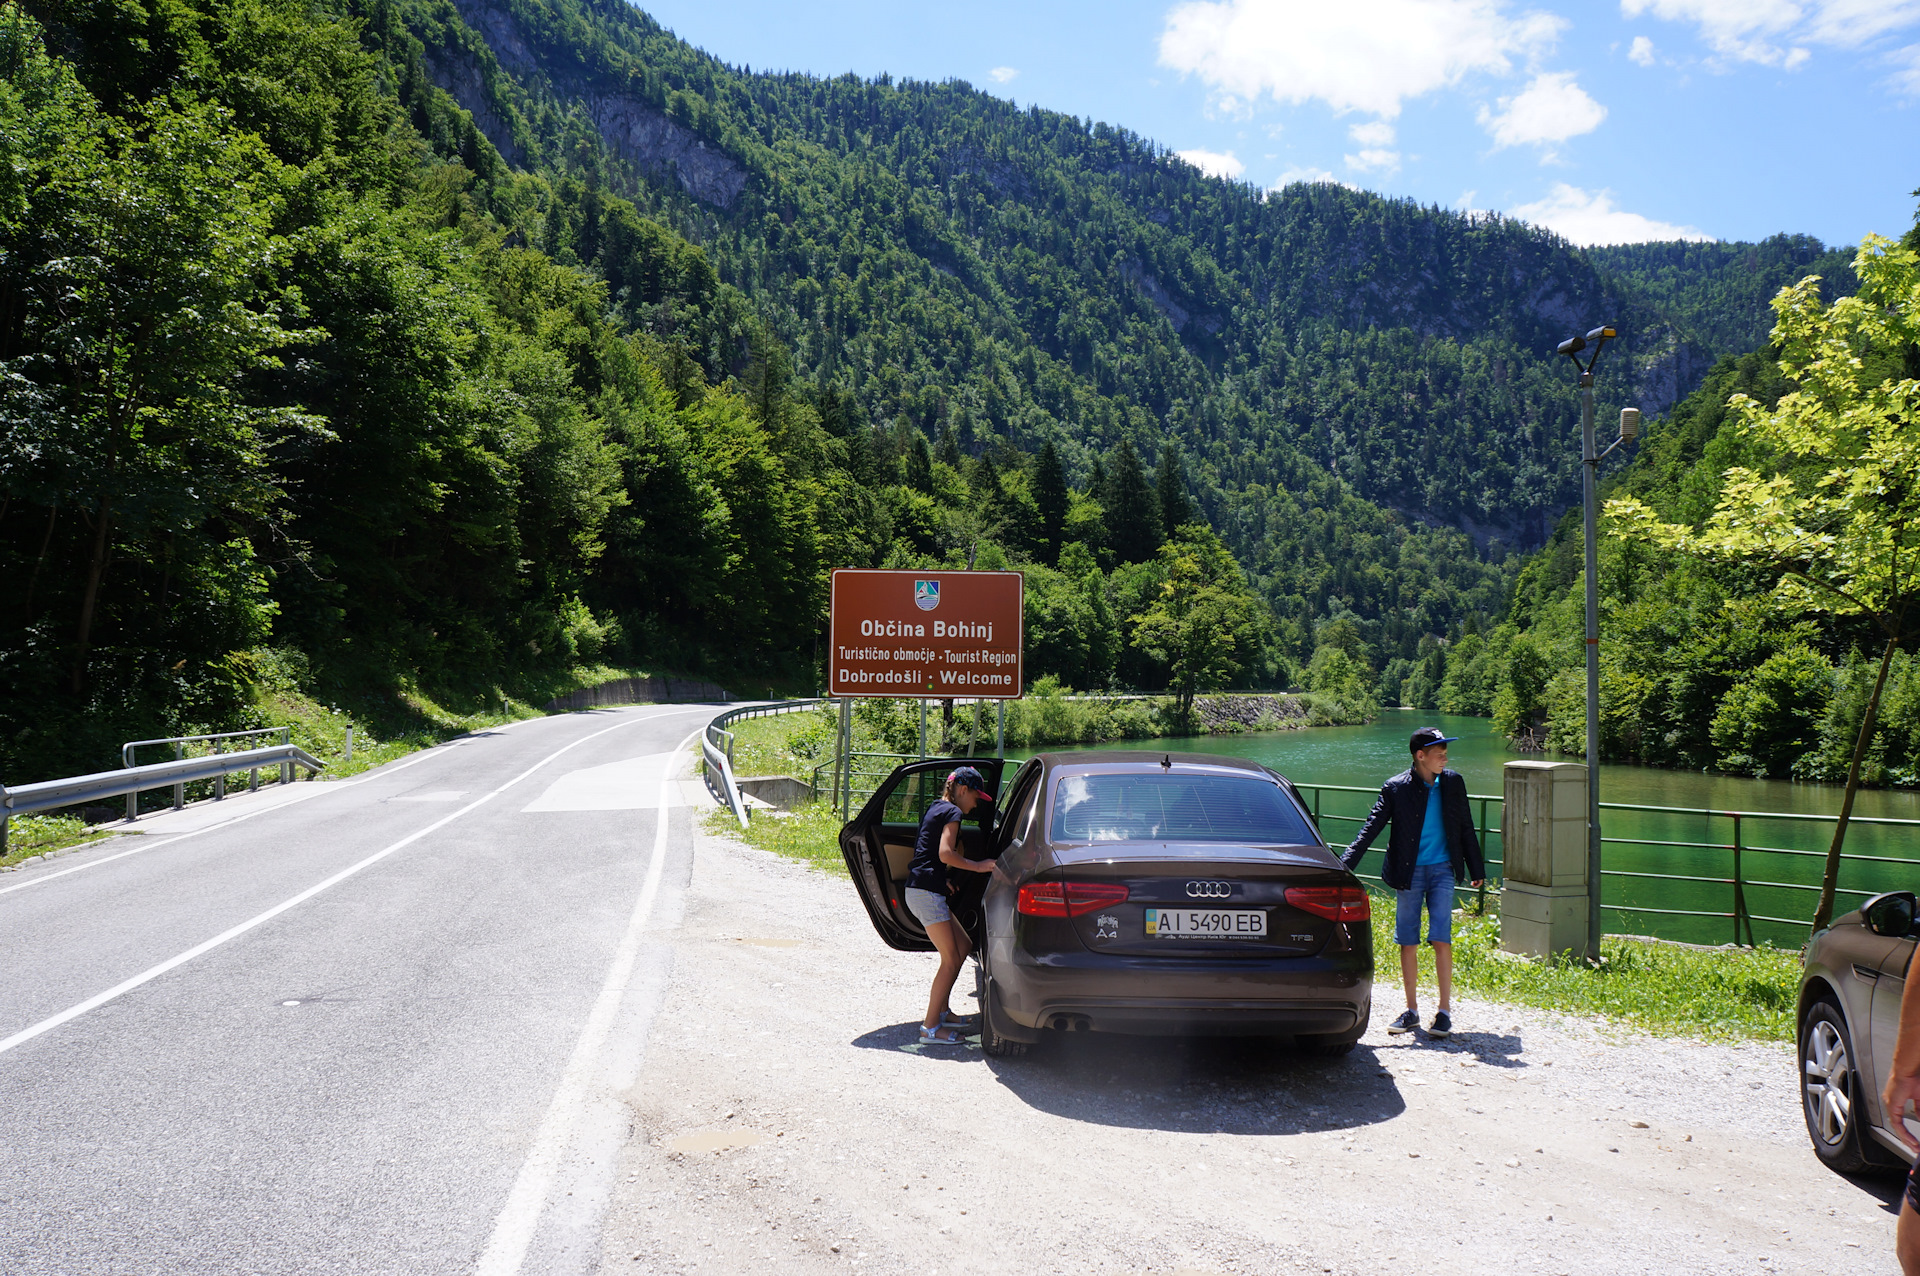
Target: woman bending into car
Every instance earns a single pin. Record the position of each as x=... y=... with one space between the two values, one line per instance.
x=936 y=853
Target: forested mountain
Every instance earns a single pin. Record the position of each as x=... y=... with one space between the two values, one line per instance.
x=347 y=346
x=1697 y=669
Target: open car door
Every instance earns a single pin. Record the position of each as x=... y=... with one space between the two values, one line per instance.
x=878 y=845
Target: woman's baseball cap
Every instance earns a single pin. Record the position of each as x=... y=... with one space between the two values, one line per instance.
x=972 y=778
x=1427 y=737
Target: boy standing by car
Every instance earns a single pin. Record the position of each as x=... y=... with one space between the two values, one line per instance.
x=1431 y=847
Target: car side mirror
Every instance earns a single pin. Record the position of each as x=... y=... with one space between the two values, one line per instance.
x=1890 y=915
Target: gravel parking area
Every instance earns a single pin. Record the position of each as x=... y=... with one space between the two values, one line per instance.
x=786 y=1120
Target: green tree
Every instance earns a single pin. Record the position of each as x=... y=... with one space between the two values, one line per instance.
x=1202 y=622
x=1170 y=490
x=1051 y=498
x=138 y=262
x=1838 y=523
x=1770 y=719
x=1132 y=512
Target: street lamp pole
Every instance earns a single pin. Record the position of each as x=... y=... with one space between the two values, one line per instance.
x=1590 y=458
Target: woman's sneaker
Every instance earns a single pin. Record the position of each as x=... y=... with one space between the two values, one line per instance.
x=1407 y=1022
x=1442 y=1026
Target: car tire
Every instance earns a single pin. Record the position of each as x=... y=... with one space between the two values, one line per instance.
x=991 y=1042
x=1831 y=1097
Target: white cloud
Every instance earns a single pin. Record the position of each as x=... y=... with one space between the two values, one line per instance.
x=1465 y=202
x=1361 y=55
x=1003 y=74
x=1642 y=51
x=1906 y=76
x=1312 y=175
x=1376 y=133
x=1214 y=163
x=1589 y=217
x=1373 y=160
x=1773 y=32
x=1550 y=109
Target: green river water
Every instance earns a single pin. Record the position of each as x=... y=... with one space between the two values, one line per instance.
x=1780 y=859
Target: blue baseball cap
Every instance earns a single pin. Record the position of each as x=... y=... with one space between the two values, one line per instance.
x=1427 y=737
x=972 y=778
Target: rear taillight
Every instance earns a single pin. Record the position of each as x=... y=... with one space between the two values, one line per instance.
x=1338 y=903
x=1068 y=899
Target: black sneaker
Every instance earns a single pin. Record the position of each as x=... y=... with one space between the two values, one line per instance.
x=1407 y=1022
x=1442 y=1026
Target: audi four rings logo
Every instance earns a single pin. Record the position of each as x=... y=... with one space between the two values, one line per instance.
x=1209 y=890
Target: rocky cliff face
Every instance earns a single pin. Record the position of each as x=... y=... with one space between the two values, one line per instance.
x=649 y=140
x=636 y=131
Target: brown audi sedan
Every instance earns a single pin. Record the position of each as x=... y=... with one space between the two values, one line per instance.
x=1135 y=893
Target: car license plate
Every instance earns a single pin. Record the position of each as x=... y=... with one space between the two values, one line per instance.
x=1205 y=923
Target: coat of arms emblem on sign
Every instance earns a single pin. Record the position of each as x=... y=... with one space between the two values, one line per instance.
x=926 y=594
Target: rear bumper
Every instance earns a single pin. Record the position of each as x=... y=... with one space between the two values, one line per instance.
x=1146 y=997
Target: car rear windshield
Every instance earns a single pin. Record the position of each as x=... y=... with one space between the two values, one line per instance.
x=1177 y=808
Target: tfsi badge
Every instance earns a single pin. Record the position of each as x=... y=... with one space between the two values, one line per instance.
x=926 y=594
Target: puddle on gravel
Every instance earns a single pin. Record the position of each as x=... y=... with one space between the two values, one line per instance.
x=715 y=1140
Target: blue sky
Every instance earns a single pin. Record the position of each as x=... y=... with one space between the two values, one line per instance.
x=1611 y=122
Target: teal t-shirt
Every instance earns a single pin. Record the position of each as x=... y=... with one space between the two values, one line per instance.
x=1433 y=831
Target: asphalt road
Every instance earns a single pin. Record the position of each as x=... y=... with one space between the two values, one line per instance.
x=373 y=1025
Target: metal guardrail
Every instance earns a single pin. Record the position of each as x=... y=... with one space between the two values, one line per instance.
x=1739 y=848
x=219 y=781
x=51 y=795
x=716 y=746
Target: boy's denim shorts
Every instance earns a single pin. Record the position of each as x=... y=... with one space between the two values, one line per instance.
x=1432 y=885
x=928 y=906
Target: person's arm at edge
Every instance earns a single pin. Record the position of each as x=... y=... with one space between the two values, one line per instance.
x=1903 y=1079
x=1382 y=812
x=1470 y=840
x=952 y=856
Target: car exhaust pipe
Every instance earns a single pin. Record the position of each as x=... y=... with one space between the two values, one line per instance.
x=1072 y=1023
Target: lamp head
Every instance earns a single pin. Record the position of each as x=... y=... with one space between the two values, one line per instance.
x=1604 y=332
x=1629 y=424
x=1572 y=346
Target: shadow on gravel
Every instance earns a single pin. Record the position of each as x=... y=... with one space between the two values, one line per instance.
x=1495 y=1049
x=905 y=1037
x=1201 y=1085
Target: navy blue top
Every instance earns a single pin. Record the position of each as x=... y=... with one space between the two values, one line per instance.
x=926 y=871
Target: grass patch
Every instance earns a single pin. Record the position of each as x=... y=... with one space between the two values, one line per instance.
x=1717 y=994
x=30 y=835
x=810 y=835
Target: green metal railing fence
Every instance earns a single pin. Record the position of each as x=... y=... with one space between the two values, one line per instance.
x=1651 y=882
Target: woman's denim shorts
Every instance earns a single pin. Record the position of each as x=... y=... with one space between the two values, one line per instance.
x=1432 y=885
x=928 y=906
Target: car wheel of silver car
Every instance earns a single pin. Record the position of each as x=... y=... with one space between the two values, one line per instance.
x=1830 y=1089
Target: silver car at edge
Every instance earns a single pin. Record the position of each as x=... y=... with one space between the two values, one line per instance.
x=1853 y=975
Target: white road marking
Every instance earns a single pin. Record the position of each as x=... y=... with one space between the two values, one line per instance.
x=514 y=1229
x=154 y=972
x=626 y=785
x=312 y=791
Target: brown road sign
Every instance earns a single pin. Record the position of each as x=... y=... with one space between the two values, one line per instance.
x=918 y=634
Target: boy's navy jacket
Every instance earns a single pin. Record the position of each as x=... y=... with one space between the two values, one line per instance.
x=1403 y=803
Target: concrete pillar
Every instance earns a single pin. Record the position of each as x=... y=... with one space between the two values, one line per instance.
x=1543 y=831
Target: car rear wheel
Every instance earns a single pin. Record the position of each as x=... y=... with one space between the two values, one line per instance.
x=991 y=1041
x=1830 y=1097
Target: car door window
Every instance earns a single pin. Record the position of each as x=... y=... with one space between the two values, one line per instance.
x=1022 y=801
